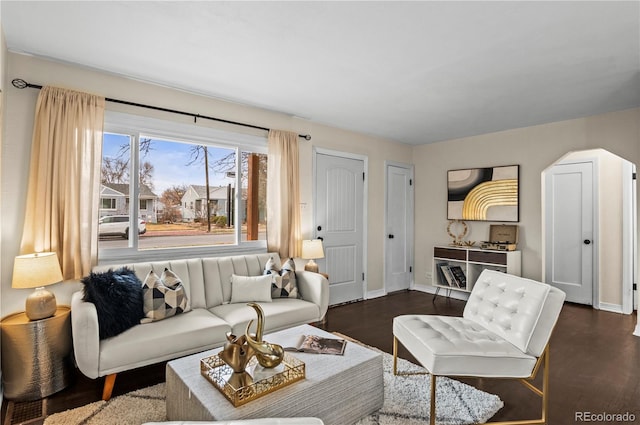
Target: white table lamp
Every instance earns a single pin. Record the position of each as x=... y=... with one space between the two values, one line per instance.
x=311 y=250
x=37 y=271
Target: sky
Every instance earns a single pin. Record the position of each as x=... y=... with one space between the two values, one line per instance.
x=170 y=161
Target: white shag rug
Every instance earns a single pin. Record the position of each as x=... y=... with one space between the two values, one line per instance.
x=406 y=402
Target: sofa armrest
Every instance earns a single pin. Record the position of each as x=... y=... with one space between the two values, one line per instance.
x=86 y=338
x=314 y=288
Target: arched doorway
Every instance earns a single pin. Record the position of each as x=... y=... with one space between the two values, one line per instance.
x=590 y=229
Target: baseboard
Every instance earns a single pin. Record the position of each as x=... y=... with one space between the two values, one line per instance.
x=614 y=308
x=376 y=294
x=457 y=295
x=637 y=331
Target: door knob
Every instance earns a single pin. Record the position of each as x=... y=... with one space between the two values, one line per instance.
x=391 y=236
x=587 y=241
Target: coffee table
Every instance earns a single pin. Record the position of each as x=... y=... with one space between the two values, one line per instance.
x=337 y=389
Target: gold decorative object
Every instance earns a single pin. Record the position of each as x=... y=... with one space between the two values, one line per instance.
x=268 y=355
x=241 y=388
x=457 y=237
x=236 y=353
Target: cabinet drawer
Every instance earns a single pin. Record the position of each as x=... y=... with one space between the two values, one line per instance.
x=451 y=254
x=490 y=257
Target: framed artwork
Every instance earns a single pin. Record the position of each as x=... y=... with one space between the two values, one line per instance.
x=484 y=194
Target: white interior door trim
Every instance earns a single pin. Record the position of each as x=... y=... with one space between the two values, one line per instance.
x=411 y=230
x=628 y=236
x=365 y=202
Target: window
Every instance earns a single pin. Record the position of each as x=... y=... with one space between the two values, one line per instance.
x=108 y=203
x=196 y=189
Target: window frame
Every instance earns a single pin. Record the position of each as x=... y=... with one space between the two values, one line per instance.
x=136 y=127
x=112 y=201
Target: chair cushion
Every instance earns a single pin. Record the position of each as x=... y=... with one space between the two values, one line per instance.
x=457 y=346
x=510 y=306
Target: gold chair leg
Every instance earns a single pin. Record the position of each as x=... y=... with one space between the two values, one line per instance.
x=395 y=355
x=432 y=411
x=544 y=393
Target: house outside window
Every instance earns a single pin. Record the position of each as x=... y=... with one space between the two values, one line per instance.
x=174 y=164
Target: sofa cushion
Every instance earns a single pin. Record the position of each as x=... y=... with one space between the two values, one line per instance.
x=117 y=295
x=281 y=313
x=164 y=340
x=163 y=296
x=246 y=289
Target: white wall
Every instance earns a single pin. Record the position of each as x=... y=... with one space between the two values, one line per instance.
x=534 y=148
x=20 y=111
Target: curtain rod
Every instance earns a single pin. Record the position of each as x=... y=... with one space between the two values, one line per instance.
x=22 y=84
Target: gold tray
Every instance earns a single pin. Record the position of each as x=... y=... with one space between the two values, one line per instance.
x=255 y=382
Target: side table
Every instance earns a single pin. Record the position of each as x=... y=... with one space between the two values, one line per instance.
x=36 y=355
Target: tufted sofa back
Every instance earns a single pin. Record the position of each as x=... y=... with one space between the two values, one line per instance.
x=520 y=310
x=207 y=281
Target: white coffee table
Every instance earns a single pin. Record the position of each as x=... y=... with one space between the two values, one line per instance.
x=337 y=389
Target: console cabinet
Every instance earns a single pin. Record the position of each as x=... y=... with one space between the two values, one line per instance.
x=458 y=268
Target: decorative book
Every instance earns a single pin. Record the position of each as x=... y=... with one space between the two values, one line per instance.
x=319 y=345
x=458 y=275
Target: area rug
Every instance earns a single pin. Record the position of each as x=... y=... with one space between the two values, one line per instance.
x=406 y=402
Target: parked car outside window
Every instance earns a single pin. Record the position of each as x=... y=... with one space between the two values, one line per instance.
x=118 y=225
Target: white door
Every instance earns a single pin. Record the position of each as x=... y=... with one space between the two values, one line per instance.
x=339 y=222
x=398 y=262
x=569 y=230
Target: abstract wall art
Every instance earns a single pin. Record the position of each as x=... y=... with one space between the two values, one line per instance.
x=483 y=194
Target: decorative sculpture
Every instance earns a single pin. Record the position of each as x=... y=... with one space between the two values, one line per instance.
x=236 y=352
x=268 y=355
x=457 y=237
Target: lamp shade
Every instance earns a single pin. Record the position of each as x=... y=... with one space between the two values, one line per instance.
x=312 y=249
x=36 y=270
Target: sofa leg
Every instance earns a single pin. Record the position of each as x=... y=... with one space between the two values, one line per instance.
x=109 y=381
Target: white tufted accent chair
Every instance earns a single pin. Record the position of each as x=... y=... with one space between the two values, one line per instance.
x=504 y=332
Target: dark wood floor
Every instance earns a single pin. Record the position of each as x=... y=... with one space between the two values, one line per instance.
x=595 y=360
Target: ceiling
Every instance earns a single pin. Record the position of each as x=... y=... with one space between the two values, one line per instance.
x=413 y=72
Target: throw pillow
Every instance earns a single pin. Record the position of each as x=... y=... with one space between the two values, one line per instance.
x=163 y=296
x=117 y=296
x=246 y=289
x=271 y=267
x=284 y=283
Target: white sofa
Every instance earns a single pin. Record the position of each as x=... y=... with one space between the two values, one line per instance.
x=207 y=282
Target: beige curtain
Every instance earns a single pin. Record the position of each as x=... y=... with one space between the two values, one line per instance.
x=64 y=179
x=283 y=194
